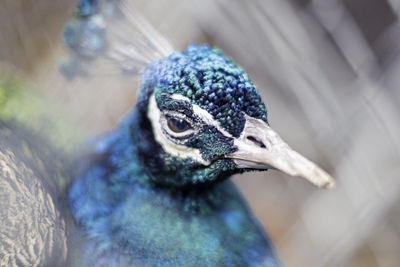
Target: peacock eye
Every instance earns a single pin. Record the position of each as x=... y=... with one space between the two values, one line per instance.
x=178 y=125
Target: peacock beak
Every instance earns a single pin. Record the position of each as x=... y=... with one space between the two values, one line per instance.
x=259 y=147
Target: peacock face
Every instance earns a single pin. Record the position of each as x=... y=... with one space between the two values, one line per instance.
x=208 y=121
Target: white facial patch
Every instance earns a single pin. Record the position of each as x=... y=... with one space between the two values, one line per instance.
x=181 y=151
x=180 y=97
x=203 y=114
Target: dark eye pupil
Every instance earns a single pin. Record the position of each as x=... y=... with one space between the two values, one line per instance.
x=178 y=125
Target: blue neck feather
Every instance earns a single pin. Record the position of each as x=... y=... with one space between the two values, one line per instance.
x=134 y=221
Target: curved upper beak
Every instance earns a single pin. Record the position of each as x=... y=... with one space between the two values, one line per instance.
x=259 y=147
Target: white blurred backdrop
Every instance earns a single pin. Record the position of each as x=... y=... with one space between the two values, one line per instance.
x=328 y=71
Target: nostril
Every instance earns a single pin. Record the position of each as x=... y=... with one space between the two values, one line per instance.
x=256 y=141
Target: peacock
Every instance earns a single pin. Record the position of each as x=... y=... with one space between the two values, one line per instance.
x=155 y=191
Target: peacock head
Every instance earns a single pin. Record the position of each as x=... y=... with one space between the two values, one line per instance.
x=203 y=120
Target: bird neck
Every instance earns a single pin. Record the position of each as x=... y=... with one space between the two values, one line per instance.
x=119 y=203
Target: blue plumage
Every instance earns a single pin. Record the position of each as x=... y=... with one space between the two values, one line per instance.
x=212 y=81
x=145 y=224
x=155 y=191
x=144 y=206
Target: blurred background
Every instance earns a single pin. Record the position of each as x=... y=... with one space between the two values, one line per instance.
x=328 y=71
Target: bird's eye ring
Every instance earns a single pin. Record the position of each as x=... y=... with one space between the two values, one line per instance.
x=178 y=125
